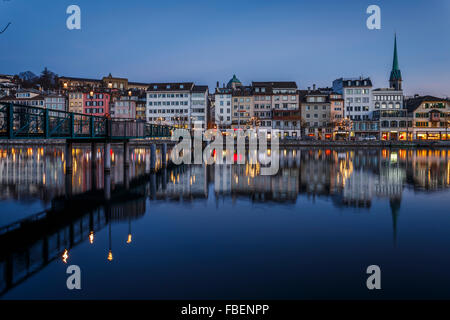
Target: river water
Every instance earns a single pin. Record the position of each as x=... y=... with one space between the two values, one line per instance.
x=226 y=232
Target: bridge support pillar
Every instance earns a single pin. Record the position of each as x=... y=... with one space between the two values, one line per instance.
x=126 y=154
x=153 y=157
x=153 y=186
x=94 y=166
x=107 y=185
x=68 y=185
x=164 y=154
x=164 y=179
x=126 y=178
x=69 y=160
x=93 y=154
x=107 y=159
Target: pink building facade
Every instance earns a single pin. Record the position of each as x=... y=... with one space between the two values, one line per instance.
x=96 y=103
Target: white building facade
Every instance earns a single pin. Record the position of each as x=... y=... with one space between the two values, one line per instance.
x=357 y=95
x=55 y=102
x=223 y=99
x=177 y=104
x=388 y=106
x=199 y=105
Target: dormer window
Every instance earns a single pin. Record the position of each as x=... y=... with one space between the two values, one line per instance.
x=155 y=87
x=168 y=86
x=181 y=86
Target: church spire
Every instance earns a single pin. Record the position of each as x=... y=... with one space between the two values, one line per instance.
x=395 y=79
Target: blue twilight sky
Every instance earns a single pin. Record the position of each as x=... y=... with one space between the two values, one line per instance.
x=208 y=41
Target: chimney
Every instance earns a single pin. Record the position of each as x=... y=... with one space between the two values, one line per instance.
x=314 y=87
x=309 y=89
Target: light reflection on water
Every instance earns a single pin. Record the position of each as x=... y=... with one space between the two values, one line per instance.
x=227 y=231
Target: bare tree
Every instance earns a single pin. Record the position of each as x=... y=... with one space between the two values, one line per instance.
x=4 y=29
x=9 y=23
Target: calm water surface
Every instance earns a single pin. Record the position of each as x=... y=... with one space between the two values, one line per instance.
x=226 y=232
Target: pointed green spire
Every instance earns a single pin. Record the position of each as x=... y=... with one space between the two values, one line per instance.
x=395 y=73
x=395 y=64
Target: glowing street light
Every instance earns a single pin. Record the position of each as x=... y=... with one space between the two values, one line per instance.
x=65 y=255
x=110 y=256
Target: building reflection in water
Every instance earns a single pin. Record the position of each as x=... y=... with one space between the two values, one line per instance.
x=80 y=203
x=92 y=200
x=38 y=172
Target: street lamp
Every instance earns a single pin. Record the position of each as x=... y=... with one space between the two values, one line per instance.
x=129 y=230
x=447 y=122
x=110 y=256
x=348 y=118
x=65 y=255
x=348 y=127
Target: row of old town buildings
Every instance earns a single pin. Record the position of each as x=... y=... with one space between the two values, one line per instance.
x=351 y=108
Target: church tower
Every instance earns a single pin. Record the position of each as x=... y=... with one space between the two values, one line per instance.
x=395 y=80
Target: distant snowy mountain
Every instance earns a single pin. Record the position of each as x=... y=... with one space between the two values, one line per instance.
x=27 y=76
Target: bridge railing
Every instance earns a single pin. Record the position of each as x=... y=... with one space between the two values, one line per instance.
x=21 y=122
x=126 y=128
x=157 y=131
x=26 y=122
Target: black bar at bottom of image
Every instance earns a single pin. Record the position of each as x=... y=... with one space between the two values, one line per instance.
x=223 y=309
